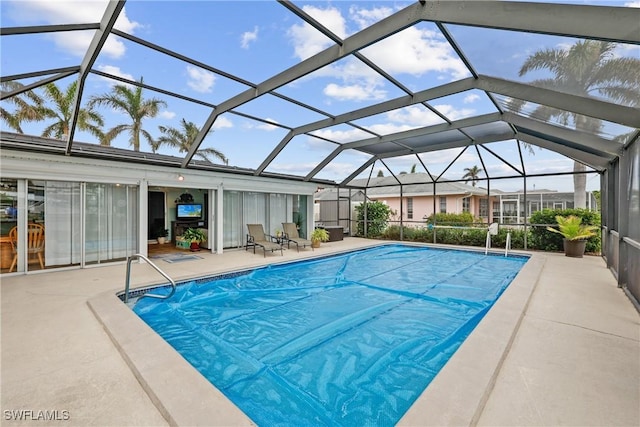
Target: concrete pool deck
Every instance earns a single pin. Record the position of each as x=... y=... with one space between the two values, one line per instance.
x=571 y=358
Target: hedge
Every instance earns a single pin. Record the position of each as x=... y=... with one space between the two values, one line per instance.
x=456 y=236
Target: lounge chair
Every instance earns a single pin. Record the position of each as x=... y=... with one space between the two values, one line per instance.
x=256 y=237
x=291 y=236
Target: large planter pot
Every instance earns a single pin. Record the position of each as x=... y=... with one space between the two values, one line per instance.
x=574 y=248
x=194 y=247
x=315 y=243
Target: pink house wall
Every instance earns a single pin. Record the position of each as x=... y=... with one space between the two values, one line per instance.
x=423 y=207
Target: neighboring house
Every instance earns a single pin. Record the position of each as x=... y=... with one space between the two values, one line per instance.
x=509 y=208
x=419 y=201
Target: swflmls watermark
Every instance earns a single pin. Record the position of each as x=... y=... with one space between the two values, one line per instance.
x=36 y=415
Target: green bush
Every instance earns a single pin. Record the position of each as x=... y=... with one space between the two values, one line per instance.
x=378 y=215
x=545 y=240
x=457 y=236
x=517 y=238
x=464 y=218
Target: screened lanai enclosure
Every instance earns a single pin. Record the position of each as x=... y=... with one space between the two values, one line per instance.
x=498 y=108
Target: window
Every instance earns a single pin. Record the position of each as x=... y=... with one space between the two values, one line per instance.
x=484 y=208
x=465 y=204
x=443 y=204
x=410 y=207
x=533 y=207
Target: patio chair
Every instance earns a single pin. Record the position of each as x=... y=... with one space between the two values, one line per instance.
x=291 y=236
x=35 y=243
x=256 y=237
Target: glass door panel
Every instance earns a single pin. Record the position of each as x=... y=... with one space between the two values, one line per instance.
x=111 y=222
x=233 y=228
x=57 y=205
x=8 y=220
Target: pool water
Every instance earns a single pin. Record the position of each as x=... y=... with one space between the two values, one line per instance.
x=351 y=339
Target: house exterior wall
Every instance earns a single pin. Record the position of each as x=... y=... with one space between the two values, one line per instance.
x=60 y=173
x=423 y=206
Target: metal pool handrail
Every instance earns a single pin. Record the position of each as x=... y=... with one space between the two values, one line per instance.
x=128 y=279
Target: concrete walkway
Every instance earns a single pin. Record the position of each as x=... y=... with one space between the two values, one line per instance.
x=576 y=357
x=574 y=361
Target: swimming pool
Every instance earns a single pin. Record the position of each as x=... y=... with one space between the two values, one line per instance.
x=344 y=340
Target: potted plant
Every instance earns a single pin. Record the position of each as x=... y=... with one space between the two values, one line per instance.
x=162 y=236
x=575 y=234
x=195 y=236
x=319 y=235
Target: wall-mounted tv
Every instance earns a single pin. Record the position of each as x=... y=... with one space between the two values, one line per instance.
x=189 y=211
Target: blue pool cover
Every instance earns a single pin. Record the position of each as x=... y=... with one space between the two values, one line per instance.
x=348 y=340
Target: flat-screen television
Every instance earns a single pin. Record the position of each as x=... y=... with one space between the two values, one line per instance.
x=189 y=211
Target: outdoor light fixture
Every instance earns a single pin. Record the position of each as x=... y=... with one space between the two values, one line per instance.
x=180 y=177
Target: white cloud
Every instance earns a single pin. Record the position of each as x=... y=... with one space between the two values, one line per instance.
x=307 y=40
x=115 y=71
x=166 y=114
x=222 y=123
x=342 y=135
x=452 y=113
x=200 y=80
x=414 y=115
x=38 y=12
x=248 y=37
x=471 y=98
x=355 y=92
x=633 y=4
x=366 y=17
x=388 y=128
x=416 y=51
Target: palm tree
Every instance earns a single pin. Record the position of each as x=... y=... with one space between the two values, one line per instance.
x=588 y=67
x=182 y=140
x=27 y=108
x=131 y=102
x=472 y=174
x=62 y=109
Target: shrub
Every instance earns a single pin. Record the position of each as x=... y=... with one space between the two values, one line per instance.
x=464 y=218
x=517 y=238
x=378 y=215
x=457 y=236
x=547 y=241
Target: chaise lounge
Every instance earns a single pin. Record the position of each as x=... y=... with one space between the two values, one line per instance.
x=257 y=237
x=291 y=236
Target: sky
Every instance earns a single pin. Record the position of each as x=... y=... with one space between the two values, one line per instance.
x=255 y=40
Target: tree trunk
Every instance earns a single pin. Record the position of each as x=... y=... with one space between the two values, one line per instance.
x=579 y=186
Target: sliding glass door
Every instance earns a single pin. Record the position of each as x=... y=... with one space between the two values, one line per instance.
x=58 y=206
x=232 y=230
x=111 y=222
